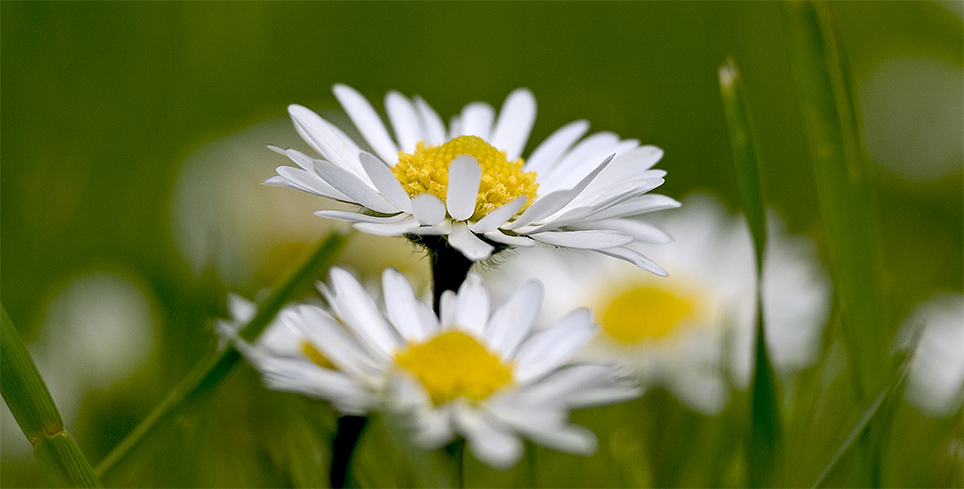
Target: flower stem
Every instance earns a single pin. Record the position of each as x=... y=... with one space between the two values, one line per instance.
x=346 y=438
x=449 y=267
x=456 y=450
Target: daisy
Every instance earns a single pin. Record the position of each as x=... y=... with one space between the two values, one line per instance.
x=469 y=183
x=935 y=382
x=692 y=332
x=469 y=372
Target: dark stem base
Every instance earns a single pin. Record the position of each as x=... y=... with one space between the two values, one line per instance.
x=449 y=265
x=349 y=431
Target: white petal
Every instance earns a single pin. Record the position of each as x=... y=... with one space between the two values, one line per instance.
x=472 y=306
x=356 y=189
x=428 y=209
x=499 y=216
x=476 y=120
x=636 y=258
x=402 y=307
x=489 y=442
x=568 y=438
x=465 y=175
x=554 y=201
x=328 y=140
x=550 y=348
x=500 y=237
x=568 y=176
x=405 y=121
x=638 y=205
x=468 y=243
x=434 y=127
x=303 y=377
x=359 y=217
x=590 y=240
x=358 y=310
x=579 y=386
x=513 y=320
x=389 y=228
x=639 y=230
x=580 y=154
x=515 y=122
x=549 y=151
x=386 y=182
x=367 y=121
x=447 y=308
x=339 y=347
x=309 y=182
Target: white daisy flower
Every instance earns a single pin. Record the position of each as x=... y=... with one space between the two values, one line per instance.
x=479 y=374
x=691 y=331
x=469 y=183
x=935 y=382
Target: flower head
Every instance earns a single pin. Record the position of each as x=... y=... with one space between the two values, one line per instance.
x=691 y=332
x=935 y=383
x=483 y=375
x=469 y=182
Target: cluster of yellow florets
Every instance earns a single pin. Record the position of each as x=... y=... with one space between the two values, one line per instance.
x=455 y=365
x=427 y=171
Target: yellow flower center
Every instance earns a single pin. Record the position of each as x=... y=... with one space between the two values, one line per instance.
x=644 y=312
x=427 y=171
x=316 y=356
x=453 y=365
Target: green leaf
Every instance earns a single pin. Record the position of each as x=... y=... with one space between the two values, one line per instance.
x=764 y=448
x=214 y=366
x=26 y=395
x=839 y=168
x=873 y=410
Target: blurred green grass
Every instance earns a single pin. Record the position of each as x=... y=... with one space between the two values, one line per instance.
x=102 y=102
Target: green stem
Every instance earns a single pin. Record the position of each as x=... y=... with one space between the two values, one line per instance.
x=216 y=364
x=26 y=394
x=456 y=451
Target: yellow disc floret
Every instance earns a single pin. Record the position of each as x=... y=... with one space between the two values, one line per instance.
x=455 y=365
x=642 y=313
x=427 y=171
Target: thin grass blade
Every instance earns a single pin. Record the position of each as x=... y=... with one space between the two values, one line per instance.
x=26 y=395
x=214 y=366
x=843 y=193
x=764 y=449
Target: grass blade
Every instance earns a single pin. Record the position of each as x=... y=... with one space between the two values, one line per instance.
x=214 y=366
x=885 y=397
x=763 y=449
x=844 y=198
x=26 y=395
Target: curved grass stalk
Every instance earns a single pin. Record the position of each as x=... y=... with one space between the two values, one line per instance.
x=216 y=364
x=26 y=395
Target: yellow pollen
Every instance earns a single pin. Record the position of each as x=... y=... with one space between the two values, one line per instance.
x=455 y=365
x=645 y=312
x=316 y=356
x=427 y=171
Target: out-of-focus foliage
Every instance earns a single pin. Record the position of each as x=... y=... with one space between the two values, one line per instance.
x=132 y=145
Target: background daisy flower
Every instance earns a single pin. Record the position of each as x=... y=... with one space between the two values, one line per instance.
x=469 y=183
x=692 y=330
x=468 y=372
x=935 y=383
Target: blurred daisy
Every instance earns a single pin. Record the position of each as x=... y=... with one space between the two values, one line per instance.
x=468 y=182
x=935 y=383
x=483 y=376
x=693 y=331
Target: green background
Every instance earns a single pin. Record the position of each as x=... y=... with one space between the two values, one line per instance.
x=103 y=102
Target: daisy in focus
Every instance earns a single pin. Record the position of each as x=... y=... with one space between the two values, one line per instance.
x=469 y=183
x=482 y=375
x=692 y=332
